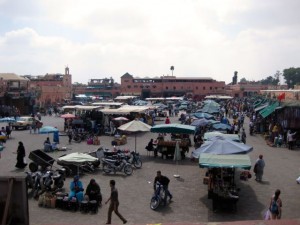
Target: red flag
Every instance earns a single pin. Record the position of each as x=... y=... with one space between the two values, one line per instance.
x=281 y=96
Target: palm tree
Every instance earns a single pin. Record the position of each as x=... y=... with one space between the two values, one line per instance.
x=172 y=69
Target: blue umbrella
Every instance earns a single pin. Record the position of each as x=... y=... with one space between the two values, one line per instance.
x=48 y=130
x=7 y=120
x=221 y=126
x=200 y=115
x=200 y=122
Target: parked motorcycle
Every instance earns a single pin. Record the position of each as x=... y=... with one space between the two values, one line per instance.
x=49 y=180
x=158 y=197
x=116 y=165
x=135 y=160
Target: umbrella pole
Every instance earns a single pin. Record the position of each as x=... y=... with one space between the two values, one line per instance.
x=176 y=175
x=135 y=142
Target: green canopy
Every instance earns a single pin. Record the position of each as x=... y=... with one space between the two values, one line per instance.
x=207 y=160
x=269 y=110
x=173 y=128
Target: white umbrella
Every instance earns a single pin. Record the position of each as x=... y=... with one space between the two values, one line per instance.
x=121 y=118
x=135 y=126
x=77 y=159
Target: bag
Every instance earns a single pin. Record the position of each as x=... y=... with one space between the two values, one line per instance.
x=267 y=215
x=274 y=207
x=255 y=168
x=24 y=160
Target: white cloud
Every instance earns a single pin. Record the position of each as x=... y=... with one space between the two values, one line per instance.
x=103 y=38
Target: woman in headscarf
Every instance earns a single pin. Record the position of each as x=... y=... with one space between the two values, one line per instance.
x=76 y=189
x=20 y=156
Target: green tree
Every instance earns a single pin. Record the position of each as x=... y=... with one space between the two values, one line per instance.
x=291 y=76
x=243 y=80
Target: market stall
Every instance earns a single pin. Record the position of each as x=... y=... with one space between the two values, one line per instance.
x=167 y=148
x=220 y=178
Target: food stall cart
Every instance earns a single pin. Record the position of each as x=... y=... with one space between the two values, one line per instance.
x=220 y=178
x=167 y=148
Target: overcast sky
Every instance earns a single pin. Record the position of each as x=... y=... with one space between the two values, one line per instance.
x=200 y=38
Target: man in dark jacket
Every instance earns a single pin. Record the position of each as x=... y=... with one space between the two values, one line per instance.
x=163 y=180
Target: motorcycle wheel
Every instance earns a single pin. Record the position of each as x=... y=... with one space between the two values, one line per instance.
x=60 y=184
x=138 y=163
x=128 y=169
x=107 y=168
x=96 y=164
x=154 y=203
x=77 y=140
x=68 y=171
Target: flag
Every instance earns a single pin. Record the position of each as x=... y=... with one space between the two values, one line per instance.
x=281 y=96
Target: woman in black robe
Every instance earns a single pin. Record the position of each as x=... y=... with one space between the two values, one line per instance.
x=20 y=156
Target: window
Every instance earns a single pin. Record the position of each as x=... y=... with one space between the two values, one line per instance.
x=174 y=88
x=129 y=86
x=203 y=88
x=210 y=88
x=197 y=88
x=167 y=88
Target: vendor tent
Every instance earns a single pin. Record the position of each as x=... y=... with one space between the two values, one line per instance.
x=173 y=128
x=225 y=161
x=221 y=146
x=210 y=135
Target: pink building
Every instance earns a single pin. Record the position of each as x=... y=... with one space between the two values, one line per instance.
x=167 y=86
x=51 y=89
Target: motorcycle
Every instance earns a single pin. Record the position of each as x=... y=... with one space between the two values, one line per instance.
x=116 y=165
x=158 y=197
x=135 y=160
x=40 y=182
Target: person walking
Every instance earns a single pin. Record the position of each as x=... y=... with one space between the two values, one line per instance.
x=167 y=121
x=20 y=156
x=163 y=180
x=275 y=206
x=259 y=168
x=114 y=203
x=243 y=136
x=290 y=139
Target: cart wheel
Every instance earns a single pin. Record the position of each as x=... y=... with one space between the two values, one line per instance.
x=68 y=171
x=33 y=167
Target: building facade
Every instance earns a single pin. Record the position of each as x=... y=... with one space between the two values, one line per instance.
x=168 y=86
x=50 y=89
x=14 y=93
x=105 y=88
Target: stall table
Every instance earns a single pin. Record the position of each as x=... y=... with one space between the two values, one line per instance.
x=167 y=148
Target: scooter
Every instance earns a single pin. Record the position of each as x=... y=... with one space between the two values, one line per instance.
x=116 y=165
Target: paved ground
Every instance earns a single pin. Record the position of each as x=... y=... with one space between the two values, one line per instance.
x=190 y=203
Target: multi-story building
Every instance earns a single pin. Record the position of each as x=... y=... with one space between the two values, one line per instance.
x=14 y=92
x=105 y=88
x=167 y=86
x=51 y=89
